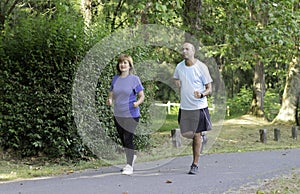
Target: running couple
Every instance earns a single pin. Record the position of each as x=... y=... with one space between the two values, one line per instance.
x=126 y=93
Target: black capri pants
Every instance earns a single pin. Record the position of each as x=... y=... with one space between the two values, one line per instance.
x=126 y=128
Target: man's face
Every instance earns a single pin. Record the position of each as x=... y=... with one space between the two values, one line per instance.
x=188 y=51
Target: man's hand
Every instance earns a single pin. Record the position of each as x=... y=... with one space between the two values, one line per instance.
x=197 y=94
x=177 y=83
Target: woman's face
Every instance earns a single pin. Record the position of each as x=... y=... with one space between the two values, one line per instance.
x=124 y=66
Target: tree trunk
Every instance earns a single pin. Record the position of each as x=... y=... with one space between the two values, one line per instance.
x=86 y=9
x=290 y=99
x=191 y=17
x=260 y=14
x=191 y=13
x=257 y=105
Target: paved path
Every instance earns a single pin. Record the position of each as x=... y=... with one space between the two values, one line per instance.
x=219 y=173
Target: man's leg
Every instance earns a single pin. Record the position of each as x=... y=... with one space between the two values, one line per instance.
x=197 y=143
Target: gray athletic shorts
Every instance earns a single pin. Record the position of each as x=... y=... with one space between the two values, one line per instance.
x=194 y=120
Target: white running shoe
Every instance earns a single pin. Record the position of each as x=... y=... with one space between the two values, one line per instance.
x=127 y=170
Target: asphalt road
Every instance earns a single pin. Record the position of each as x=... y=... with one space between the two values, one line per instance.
x=219 y=173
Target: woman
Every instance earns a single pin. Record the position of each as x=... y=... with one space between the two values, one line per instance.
x=126 y=93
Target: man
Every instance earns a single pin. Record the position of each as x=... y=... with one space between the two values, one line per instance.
x=194 y=80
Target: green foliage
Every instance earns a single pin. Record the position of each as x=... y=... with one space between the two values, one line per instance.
x=42 y=51
x=168 y=60
x=42 y=42
x=120 y=14
x=238 y=34
x=272 y=104
x=239 y=104
x=41 y=56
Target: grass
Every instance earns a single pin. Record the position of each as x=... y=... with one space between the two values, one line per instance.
x=12 y=169
x=242 y=134
x=170 y=123
x=233 y=135
x=286 y=184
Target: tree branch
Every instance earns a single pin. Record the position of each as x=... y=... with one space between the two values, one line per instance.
x=118 y=8
x=6 y=3
x=12 y=7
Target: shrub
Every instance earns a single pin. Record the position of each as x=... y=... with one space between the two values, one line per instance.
x=39 y=56
x=239 y=104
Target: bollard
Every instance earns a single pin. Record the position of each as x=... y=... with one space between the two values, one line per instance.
x=277 y=134
x=176 y=138
x=263 y=135
x=294 y=132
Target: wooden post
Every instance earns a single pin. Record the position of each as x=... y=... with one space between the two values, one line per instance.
x=277 y=134
x=263 y=135
x=294 y=132
x=176 y=138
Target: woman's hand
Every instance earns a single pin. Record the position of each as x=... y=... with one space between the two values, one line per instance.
x=108 y=101
x=140 y=100
x=135 y=104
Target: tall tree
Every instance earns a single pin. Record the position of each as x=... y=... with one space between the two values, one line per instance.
x=86 y=10
x=290 y=100
x=254 y=37
x=288 y=112
x=258 y=12
x=259 y=89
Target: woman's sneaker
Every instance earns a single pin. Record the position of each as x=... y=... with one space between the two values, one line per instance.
x=194 y=169
x=133 y=161
x=127 y=170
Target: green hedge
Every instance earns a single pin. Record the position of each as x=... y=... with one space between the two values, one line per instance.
x=39 y=56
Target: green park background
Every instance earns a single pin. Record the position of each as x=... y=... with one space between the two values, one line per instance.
x=254 y=44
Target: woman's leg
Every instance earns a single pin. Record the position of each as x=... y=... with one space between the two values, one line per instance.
x=120 y=129
x=126 y=128
x=128 y=136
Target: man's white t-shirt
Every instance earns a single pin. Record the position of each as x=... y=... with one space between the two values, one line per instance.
x=193 y=78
